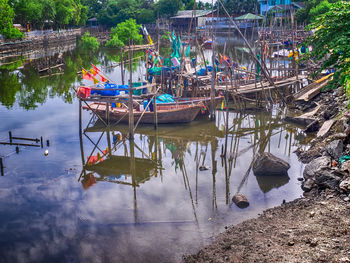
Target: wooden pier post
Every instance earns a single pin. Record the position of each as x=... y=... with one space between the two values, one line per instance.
x=155 y=110
x=121 y=65
x=131 y=108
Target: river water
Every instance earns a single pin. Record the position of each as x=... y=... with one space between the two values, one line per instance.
x=153 y=208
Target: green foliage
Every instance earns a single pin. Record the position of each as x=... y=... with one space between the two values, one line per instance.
x=166 y=35
x=145 y=16
x=320 y=9
x=89 y=42
x=12 y=33
x=168 y=8
x=6 y=15
x=94 y=6
x=39 y=12
x=305 y=14
x=6 y=22
x=240 y=6
x=118 y=11
x=331 y=42
x=123 y=32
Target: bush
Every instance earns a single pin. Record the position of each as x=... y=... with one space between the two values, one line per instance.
x=90 y=42
x=12 y=33
x=123 y=32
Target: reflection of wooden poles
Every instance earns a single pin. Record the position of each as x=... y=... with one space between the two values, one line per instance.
x=133 y=175
x=1 y=167
x=81 y=135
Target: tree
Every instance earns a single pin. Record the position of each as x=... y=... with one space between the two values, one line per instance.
x=28 y=11
x=6 y=21
x=123 y=32
x=94 y=6
x=331 y=42
x=304 y=15
x=168 y=8
x=64 y=12
x=240 y=7
x=89 y=42
x=145 y=16
x=118 y=11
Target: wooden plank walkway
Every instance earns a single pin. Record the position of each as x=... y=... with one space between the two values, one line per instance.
x=252 y=88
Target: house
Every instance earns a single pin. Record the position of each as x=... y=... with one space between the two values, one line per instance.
x=279 y=5
x=182 y=20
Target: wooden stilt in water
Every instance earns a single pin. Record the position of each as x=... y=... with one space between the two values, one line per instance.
x=121 y=65
x=131 y=109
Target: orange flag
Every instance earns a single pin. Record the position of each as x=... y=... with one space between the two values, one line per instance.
x=93 y=72
x=87 y=75
x=96 y=69
x=102 y=78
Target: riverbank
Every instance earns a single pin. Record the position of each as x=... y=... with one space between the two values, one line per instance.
x=310 y=229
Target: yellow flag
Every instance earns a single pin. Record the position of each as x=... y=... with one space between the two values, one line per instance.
x=95 y=80
x=150 y=40
x=83 y=71
x=93 y=72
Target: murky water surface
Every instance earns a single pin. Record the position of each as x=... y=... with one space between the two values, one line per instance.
x=154 y=207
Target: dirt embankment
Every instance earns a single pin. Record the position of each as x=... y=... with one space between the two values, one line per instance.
x=315 y=228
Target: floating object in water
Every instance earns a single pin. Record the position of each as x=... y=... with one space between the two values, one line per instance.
x=46 y=152
x=240 y=200
x=203 y=168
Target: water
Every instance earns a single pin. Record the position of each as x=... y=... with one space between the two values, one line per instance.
x=153 y=209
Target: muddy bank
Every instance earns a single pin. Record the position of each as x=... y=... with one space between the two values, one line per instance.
x=315 y=228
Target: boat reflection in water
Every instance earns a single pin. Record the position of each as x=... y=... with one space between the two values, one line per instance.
x=177 y=182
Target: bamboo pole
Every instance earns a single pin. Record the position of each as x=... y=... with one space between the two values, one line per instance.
x=131 y=109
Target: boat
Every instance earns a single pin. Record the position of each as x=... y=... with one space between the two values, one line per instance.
x=176 y=113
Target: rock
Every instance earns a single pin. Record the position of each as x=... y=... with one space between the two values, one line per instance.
x=312 y=127
x=345 y=185
x=308 y=185
x=327 y=178
x=268 y=164
x=300 y=179
x=346 y=199
x=316 y=164
x=335 y=148
x=291 y=243
x=345 y=166
x=240 y=200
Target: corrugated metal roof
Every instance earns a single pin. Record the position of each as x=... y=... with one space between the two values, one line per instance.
x=190 y=13
x=248 y=16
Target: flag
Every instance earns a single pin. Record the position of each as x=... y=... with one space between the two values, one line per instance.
x=93 y=72
x=95 y=80
x=102 y=78
x=150 y=40
x=96 y=69
x=87 y=75
x=188 y=50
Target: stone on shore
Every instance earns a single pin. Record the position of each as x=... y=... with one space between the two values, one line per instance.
x=268 y=164
x=240 y=200
x=316 y=164
x=335 y=149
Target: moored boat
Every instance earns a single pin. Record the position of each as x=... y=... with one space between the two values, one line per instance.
x=177 y=113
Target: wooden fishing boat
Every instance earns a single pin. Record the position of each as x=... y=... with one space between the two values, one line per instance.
x=176 y=113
